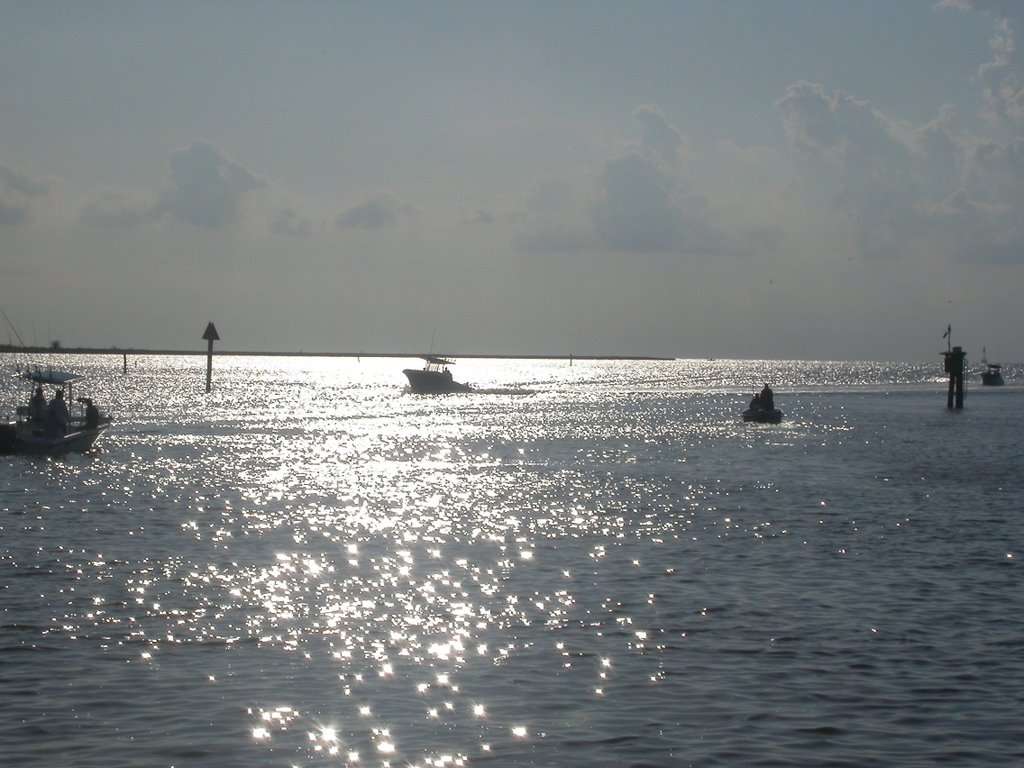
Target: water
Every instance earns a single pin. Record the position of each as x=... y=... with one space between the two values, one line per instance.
x=309 y=567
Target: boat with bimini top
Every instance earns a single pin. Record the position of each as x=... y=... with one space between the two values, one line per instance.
x=434 y=378
x=992 y=376
x=47 y=426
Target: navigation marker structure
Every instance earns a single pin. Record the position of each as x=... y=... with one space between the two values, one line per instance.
x=211 y=336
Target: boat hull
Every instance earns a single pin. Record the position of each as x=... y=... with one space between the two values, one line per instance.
x=992 y=379
x=433 y=382
x=763 y=415
x=15 y=439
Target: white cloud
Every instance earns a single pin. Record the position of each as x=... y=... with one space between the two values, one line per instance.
x=642 y=206
x=1003 y=74
x=12 y=210
x=22 y=183
x=926 y=188
x=552 y=194
x=18 y=191
x=206 y=188
x=290 y=222
x=645 y=202
x=659 y=137
x=482 y=216
x=380 y=210
x=642 y=200
x=114 y=209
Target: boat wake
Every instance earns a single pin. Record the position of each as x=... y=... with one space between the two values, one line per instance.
x=504 y=391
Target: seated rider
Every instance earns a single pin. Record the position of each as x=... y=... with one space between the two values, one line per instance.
x=92 y=414
x=767 y=398
x=37 y=405
x=57 y=415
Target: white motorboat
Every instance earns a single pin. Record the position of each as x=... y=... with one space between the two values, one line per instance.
x=435 y=378
x=47 y=426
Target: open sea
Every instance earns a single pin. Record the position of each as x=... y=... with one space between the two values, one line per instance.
x=596 y=564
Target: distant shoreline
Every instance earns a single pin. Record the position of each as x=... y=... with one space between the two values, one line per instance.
x=234 y=352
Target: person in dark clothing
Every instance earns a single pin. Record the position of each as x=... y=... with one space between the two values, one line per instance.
x=767 y=398
x=37 y=405
x=92 y=415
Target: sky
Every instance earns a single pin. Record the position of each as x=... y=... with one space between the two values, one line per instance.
x=781 y=179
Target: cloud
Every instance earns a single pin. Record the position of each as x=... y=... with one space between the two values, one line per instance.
x=839 y=126
x=206 y=188
x=288 y=222
x=380 y=210
x=659 y=137
x=480 y=216
x=639 y=212
x=18 y=190
x=640 y=201
x=973 y=230
x=906 y=188
x=12 y=210
x=556 y=217
x=911 y=188
x=1003 y=74
x=982 y=219
x=554 y=194
x=644 y=204
x=112 y=209
x=22 y=183
x=880 y=163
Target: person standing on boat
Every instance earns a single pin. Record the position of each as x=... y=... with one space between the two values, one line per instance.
x=57 y=414
x=767 y=398
x=92 y=414
x=37 y=405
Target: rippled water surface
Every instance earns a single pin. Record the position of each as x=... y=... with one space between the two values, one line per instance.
x=595 y=564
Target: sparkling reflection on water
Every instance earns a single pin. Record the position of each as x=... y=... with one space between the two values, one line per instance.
x=311 y=567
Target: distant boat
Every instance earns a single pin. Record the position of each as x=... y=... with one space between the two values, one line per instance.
x=434 y=378
x=763 y=415
x=762 y=408
x=40 y=430
x=992 y=376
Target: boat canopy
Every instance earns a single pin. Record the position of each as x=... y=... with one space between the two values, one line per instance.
x=437 y=360
x=56 y=378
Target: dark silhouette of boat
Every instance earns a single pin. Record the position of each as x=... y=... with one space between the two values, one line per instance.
x=434 y=378
x=41 y=429
x=763 y=415
x=762 y=408
x=992 y=376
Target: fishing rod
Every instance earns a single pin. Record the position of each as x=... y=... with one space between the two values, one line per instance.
x=11 y=329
